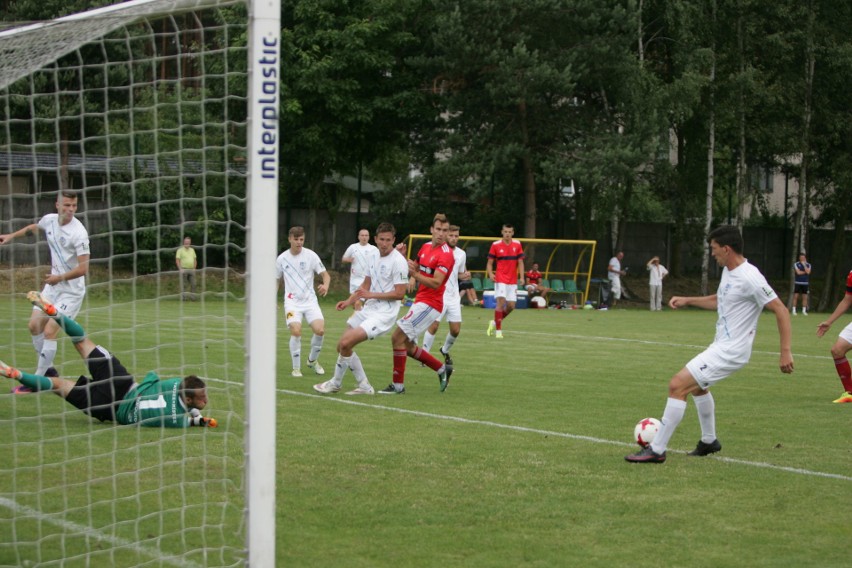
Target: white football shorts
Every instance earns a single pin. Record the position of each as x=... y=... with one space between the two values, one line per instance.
x=508 y=291
x=452 y=312
x=295 y=311
x=846 y=333
x=418 y=319
x=67 y=304
x=373 y=323
x=713 y=365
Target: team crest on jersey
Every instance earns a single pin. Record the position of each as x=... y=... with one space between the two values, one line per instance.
x=302 y=265
x=62 y=241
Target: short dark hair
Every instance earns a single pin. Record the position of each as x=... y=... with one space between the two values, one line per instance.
x=508 y=226
x=296 y=232
x=69 y=193
x=727 y=236
x=439 y=218
x=192 y=383
x=386 y=228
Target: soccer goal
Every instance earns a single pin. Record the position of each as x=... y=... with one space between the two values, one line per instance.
x=566 y=265
x=162 y=116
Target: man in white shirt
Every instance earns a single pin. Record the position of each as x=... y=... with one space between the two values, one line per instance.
x=614 y=273
x=296 y=268
x=656 y=273
x=361 y=256
x=382 y=292
x=65 y=286
x=742 y=295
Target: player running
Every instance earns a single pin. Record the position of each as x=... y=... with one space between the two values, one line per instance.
x=843 y=344
x=508 y=255
x=65 y=286
x=382 y=291
x=452 y=299
x=434 y=262
x=112 y=394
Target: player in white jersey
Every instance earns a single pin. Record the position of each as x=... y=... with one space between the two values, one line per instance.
x=361 y=255
x=65 y=286
x=382 y=291
x=297 y=267
x=742 y=295
x=452 y=300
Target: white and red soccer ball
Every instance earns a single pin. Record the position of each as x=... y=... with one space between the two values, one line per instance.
x=645 y=431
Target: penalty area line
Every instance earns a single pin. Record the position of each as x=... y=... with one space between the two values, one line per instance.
x=592 y=439
x=90 y=532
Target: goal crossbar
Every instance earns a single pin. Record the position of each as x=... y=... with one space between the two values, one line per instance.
x=20 y=55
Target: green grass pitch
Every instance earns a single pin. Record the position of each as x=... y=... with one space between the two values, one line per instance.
x=519 y=463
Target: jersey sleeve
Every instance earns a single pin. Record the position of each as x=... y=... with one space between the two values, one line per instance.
x=762 y=292
x=319 y=267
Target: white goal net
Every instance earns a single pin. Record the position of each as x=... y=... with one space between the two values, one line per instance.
x=145 y=111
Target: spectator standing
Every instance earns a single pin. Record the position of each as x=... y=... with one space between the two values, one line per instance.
x=614 y=273
x=361 y=256
x=65 y=286
x=656 y=273
x=187 y=263
x=801 y=284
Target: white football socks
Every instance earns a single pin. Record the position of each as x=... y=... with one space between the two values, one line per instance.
x=672 y=415
x=316 y=347
x=706 y=407
x=428 y=341
x=296 y=351
x=448 y=343
x=46 y=357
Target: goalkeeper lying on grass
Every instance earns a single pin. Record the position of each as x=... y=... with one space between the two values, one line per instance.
x=111 y=393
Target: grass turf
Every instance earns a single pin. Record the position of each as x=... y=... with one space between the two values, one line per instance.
x=519 y=463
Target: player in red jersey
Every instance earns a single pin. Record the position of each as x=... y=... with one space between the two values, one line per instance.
x=434 y=263
x=508 y=255
x=534 y=285
x=843 y=344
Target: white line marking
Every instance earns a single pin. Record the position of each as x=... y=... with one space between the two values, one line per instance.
x=591 y=439
x=75 y=528
x=699 y=348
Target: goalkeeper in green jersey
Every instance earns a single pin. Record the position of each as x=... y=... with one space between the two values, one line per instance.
x=112 y=394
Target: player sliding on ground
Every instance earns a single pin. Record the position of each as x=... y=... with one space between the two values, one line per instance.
x=112 y=394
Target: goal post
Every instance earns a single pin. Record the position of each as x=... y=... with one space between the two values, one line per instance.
x=162 y=116
x=562 y=259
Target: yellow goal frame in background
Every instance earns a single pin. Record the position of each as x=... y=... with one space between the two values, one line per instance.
x=566 y=259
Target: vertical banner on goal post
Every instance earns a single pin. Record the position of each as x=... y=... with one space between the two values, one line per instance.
x=264 y=100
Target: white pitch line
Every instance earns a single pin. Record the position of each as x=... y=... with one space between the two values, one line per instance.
x=592 y=439
x=72 y=527
x=650 y=342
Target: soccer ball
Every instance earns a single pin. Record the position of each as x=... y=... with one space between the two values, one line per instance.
x=646 y=430
x=539 y=302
